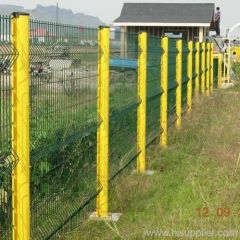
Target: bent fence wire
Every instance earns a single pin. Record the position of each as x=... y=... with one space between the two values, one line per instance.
x=154 y=90
x=123 y=101
x=8 y=159
x=64 y=122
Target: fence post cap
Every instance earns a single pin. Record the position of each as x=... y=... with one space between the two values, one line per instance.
x=17 y=14
x=102 y=26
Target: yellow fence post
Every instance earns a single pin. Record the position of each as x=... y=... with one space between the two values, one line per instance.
x=20 y=128
x=142 y=96
x=179 y=84
x=208 y=54
x=197 y=68
x=190 y=75
x=220 y=63
x=203 y=58
x=211 y=68
x=103 y=113
x=164 y=95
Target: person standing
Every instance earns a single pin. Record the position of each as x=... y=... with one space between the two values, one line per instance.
x=217 y=19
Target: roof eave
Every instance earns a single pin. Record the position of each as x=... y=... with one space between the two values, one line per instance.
x=159 y=24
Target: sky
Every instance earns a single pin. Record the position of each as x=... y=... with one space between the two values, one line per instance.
x=108 y=10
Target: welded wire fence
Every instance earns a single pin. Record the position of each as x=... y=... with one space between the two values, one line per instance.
x=201 y=67
x=194 y=74
x=172 y=84
x=8 y=159
x=184 y=75
x=154 y=91
x=123 y=101
x=215 y=72
x=64 y=121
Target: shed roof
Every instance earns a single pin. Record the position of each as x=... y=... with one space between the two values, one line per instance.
x=165 y=14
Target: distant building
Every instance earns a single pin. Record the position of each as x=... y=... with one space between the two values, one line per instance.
x=81 y=35
x=188 y=21
x=40 y=35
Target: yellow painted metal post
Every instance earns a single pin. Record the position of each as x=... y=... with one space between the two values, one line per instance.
x=142 y=96
x=211 y=68
x=190 y=75
x=220 y=63
x=203 y=68
x=197 y=68
x=164 y=95
x=20 y=129
x=208 y=54
x=103 y=113
x=179 y=84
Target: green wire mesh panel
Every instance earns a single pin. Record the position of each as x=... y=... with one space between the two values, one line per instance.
x=184 y=76
x=172 y=84
x=63 y=67
x=154 y=92
x=8 y=160
x=200 y=67
x=123 y=101
x=194 y=70
x=215 y=72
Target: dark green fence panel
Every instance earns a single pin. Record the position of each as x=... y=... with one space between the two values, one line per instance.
x=172 y=84
x=123 y=101
x=215 y=72
x=194 y=71
x=184 y=76
x=63 y=121
x=154 y=90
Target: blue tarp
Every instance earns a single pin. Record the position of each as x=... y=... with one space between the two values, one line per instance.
x=123 y=63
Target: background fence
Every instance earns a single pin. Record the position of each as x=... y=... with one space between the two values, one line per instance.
x=65 y=69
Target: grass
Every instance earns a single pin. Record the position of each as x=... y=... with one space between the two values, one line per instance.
x=199 y=169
